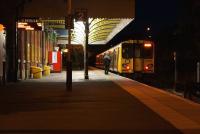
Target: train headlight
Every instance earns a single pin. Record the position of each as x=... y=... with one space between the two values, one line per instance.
x=127 y=67
x=146 y=68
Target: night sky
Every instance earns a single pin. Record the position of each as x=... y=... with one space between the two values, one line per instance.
x=155 y=14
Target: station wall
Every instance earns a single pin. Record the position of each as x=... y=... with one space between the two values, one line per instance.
x=33 y=48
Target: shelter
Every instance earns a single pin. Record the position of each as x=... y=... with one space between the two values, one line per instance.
x=106 y=17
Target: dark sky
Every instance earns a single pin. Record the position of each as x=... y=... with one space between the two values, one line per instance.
x=155 y=14
x=157 y=11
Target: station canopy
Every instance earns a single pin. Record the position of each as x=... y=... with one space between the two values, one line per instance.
x=101 y=30
x=106 y=18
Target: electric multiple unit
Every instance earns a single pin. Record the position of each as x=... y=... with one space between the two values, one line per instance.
x=132 y=56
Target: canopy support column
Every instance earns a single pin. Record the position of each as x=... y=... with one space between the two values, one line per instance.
x=86 y=49
x=69 y=62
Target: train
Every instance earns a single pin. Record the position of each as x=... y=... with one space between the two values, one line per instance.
x=131 y=56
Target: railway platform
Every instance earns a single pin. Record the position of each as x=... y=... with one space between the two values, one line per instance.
x=104 y=104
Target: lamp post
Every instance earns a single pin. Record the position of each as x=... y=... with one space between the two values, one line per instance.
x=82 y=15
x=69 y=62
x=86 y=49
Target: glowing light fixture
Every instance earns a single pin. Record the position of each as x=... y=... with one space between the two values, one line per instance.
x=39 y=24
x=21 y=26
x=147 y=45
x=1 y=27
x=29 y=28
x=22 y=23
x=65 y=50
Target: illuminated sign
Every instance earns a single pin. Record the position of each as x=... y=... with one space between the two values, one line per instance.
x=147 y=45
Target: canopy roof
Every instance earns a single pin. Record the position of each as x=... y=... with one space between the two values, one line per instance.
x=101 y=30
x=106 y=17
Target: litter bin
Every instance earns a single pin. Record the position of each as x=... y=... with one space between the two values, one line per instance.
x=36 y=72
x=47 y=70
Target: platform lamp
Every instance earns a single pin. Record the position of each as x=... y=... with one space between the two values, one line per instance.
x=68 y=23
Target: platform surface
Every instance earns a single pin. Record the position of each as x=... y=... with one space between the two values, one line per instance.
x=104 y=104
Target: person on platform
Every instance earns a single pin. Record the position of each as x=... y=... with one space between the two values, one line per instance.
x=106 y=61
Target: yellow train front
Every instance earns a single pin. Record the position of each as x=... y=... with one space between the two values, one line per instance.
x=132 y=56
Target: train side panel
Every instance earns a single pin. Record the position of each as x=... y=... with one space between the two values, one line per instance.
x=119 y=67
x=116 y=67
x=114 y=60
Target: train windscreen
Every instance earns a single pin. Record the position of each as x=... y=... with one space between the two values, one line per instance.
x=147 y=51
x=127 y=50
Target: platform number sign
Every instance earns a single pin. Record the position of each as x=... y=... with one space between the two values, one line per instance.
x=80 y=15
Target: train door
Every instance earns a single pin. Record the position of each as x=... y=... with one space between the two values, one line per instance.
x=115 y=59
x=148 y=55
x=127 y=57
x=138 y=60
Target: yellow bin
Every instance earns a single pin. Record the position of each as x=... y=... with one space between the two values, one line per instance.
x=36 y=72
x=47 y=70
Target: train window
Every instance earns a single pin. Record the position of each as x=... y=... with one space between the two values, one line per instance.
x=147 y=52
x=127 y=51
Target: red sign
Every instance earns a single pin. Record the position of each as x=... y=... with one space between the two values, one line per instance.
x=55 y=61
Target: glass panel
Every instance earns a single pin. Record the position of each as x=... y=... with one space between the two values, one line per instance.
x=127 y=50
x=147 y=52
